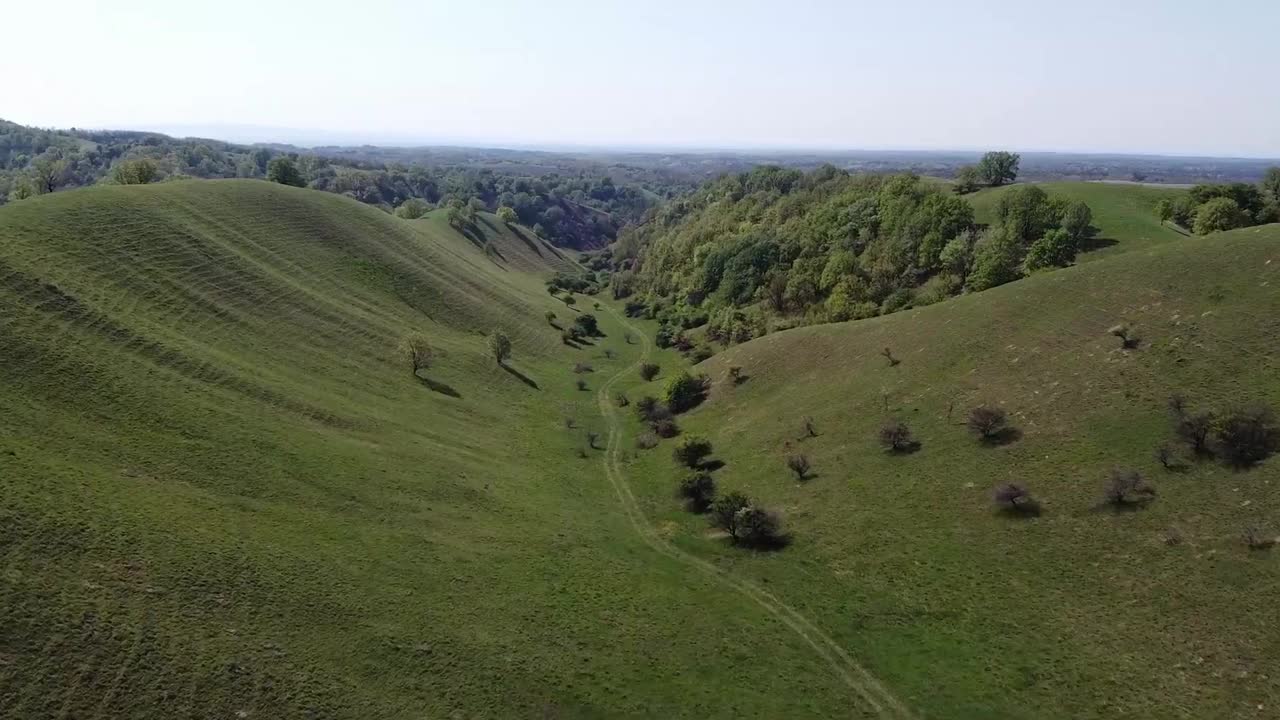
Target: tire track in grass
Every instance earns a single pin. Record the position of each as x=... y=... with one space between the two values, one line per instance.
x=872 y=693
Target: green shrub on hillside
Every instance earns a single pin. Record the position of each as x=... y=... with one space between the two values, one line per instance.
x=683 y=392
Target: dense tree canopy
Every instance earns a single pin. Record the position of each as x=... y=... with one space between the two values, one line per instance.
x=999 y=167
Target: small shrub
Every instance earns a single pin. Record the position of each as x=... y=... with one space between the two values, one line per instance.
x=665 y=427
x=735 y=375
x=1172 y=536
x=580 y=453
x=1126 y=488
x=1194 y=430
x=582 y=368
x=608 y=353
x=418 y=351
x=582 y=384
x=698 y=490
x=1256 y=539
x=1178 y=405
x=808 y=427
x=648 y=371
x=1129 y=338
x=895 y=436
x=621 y=400
x=649 y=409
x=646 y=441
x=701 y=353
x=692 y=450
x=798 y=464
x=1017 y=499
x=724 y=512
x=570 y=423
x=987 y=421
x=500 y=347
x=1247 y=435
x=551 y=318
x=592 y=438
x=568 y=338
x=888 y=355
x=1167 y=456
x=628 y=339
x=757 y=527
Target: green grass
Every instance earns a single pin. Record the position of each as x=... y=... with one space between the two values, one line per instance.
x=222 y=491
x=1124 y=214
x=965 y=613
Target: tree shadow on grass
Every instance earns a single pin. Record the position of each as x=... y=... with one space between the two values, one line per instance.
x=910 y=448
x=1004 y=436
x=710 y=465
x=520 y=376
x=439 y=387
x=771 y=544
x=1124 y=508
x=1097 y=243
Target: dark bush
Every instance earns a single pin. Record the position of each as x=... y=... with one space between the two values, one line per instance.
x=582 y=384
x=758 y=527
x=592 y=438
x=798 y=464
x=895 y=436
x=987 y=421
x=1247 y=435
x=1178 y=405
x=621 y=400
x=888 y=355
x=587 y=325
x=663 y=337
x=648 y=371
x=666 y=427
x=700 y=353
x=698 y=490
x=1127 y=488
x=1016 y=499
x=691 y=450
x=582 y=368
x=735 y=375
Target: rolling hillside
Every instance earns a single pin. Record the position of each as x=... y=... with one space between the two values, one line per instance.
x=967 y=613
x=223 y=493
x=1124 y=214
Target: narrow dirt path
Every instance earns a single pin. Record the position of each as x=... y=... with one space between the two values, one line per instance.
x=875 y=698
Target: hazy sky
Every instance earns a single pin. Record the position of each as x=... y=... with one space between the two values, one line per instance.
x=1173 y=76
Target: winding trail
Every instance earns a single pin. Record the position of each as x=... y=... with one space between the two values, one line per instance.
x=875 y=697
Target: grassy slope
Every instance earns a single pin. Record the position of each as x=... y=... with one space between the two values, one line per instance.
x=1082 y=612
x=221 y=491
x=1124 y=214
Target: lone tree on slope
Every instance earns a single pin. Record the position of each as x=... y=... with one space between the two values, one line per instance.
x=500 y=347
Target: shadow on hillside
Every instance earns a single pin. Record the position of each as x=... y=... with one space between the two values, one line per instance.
x=520 y=376
x=710 y=465
x=1004 y=437
x=439 y=387
x=1096 y=243
x=525 y=239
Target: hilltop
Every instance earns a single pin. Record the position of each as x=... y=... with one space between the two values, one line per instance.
x=1081 y=611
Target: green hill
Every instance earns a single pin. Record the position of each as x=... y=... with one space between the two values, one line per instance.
x=967 y=613
x=223 y=493
x=1123 y=213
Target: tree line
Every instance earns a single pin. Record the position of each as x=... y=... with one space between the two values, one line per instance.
x=583 y=209
x=776 y=247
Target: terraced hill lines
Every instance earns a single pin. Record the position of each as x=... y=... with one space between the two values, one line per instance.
x=223 y=492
